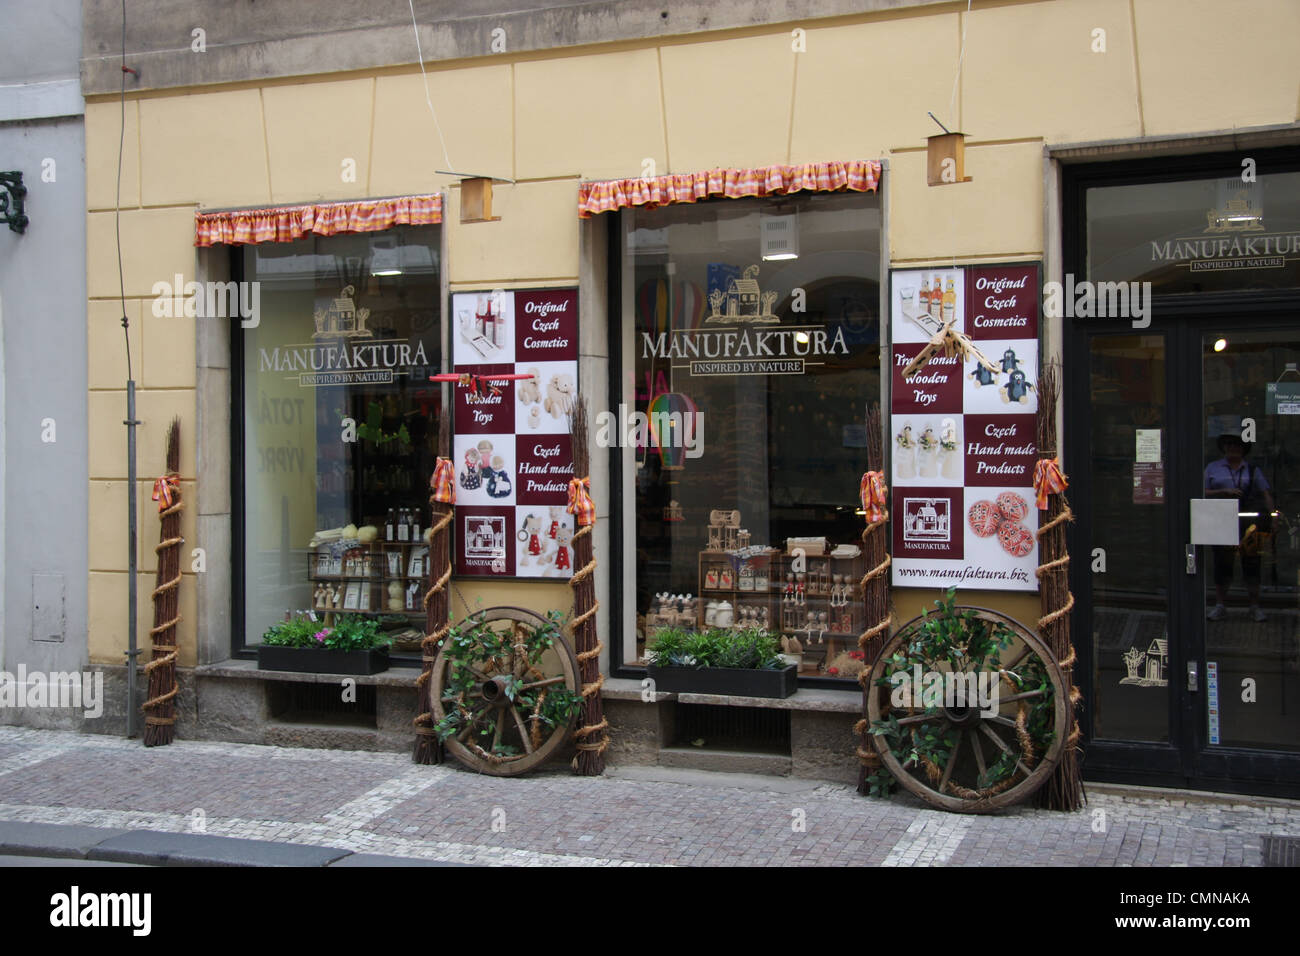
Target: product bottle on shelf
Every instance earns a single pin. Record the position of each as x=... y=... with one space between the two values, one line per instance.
x=390 y=532
x=415 y=524
x=924 y=301
x=936 y=298
x=949 y=302
x=404 y=526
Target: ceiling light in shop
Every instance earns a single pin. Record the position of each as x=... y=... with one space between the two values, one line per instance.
x=801 y=337
x=779 y=236
x=1220 y=345
x=385 y=262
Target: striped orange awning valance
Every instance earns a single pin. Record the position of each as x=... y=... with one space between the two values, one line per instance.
x=287 y=223
x=862 y=175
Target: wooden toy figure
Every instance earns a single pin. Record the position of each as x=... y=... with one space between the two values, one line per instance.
x=469 y=478
x=562 y=539
x=1016 y=389
x=981 y=375
x=498 y=485
x=531 y=532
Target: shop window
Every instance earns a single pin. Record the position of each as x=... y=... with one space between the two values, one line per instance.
x=754 y=355
x=1211 y=234
x=338 y=422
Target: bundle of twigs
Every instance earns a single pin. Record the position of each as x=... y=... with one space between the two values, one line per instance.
x=160 y=708
x=875 y=585
x=592 y=741
x=442 y=500
x=1064 y=790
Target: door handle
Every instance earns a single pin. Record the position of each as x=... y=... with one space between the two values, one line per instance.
x=1191 y=676
x=1191 y=558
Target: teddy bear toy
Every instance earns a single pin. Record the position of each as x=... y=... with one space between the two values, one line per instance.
x=559 y=395
x=529 y=391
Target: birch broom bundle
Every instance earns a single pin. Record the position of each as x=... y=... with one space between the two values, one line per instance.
x=592 y=741
x=442 y=501
x=1064 y=789
x=875 y=586
x=160 y=707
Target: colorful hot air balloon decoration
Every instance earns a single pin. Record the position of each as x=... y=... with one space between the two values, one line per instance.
x=671 y=415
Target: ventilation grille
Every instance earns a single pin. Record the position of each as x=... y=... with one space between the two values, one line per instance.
x=753 y=729
x=295 y=702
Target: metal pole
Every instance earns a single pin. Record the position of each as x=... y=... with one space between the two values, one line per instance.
x=131 y=507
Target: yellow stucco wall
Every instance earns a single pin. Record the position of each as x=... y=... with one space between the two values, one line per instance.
x=861 y=89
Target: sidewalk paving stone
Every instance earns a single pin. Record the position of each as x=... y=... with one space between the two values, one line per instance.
x=381 y=805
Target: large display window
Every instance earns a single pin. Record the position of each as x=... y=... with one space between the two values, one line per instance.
x=754 y=354
x=338 y=422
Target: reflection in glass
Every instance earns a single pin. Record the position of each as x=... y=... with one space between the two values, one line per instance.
x=783 y=443
x=1252 y=621
x=1131 y=599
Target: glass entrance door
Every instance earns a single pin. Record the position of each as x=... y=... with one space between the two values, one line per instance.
x=1191 y=650
x=1249 y=442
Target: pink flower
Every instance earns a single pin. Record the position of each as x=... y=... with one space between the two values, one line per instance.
x=320 y=635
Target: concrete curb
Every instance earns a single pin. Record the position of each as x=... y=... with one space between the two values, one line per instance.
x=157 y=848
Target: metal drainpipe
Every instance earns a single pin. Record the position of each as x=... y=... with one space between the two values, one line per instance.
x=131 y=507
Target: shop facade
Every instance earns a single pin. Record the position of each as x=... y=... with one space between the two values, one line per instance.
x=752 y=271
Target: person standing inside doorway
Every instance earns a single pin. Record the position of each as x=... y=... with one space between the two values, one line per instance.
x=1233 y=477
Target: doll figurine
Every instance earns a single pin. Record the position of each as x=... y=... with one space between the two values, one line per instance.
x=949 y=456
x=905 y=456
x=926 y=452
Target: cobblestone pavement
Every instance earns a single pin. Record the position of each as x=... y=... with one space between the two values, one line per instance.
x=382 y=803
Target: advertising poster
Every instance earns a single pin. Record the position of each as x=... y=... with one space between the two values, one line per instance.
x=964 y=437
x=511 y=449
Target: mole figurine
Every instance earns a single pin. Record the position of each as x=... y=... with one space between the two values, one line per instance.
x=1016 y=389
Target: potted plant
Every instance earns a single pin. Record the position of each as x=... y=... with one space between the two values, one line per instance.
x=353 y=644
x=740 y=663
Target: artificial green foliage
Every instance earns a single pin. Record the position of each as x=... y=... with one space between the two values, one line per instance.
x=372 y=428
x=750 y=649
x=477 y=646
x=349 y=632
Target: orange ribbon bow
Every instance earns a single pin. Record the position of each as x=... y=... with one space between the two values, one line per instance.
x=443 y=482
x=874 y=492
x=580 y=504
x=1048 y=480
x=165 y=489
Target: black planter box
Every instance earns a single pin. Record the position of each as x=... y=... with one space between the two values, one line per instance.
x=309 y=660
x=729 y=681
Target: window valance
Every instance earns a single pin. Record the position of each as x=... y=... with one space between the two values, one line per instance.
x=287 y=223
x=856 y=176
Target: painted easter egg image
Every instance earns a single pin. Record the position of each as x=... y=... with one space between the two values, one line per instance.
x=1012 y=506
x=1014 y=539
x=983 y=517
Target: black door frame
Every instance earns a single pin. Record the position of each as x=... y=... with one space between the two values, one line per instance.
x=1184 y=761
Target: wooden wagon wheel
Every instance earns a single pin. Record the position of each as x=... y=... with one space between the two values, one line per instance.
x=505 y=691
x=969 y=759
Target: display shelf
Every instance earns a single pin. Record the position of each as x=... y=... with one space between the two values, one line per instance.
x=826 y=588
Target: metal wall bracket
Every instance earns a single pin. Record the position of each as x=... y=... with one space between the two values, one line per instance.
x=12 y=194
